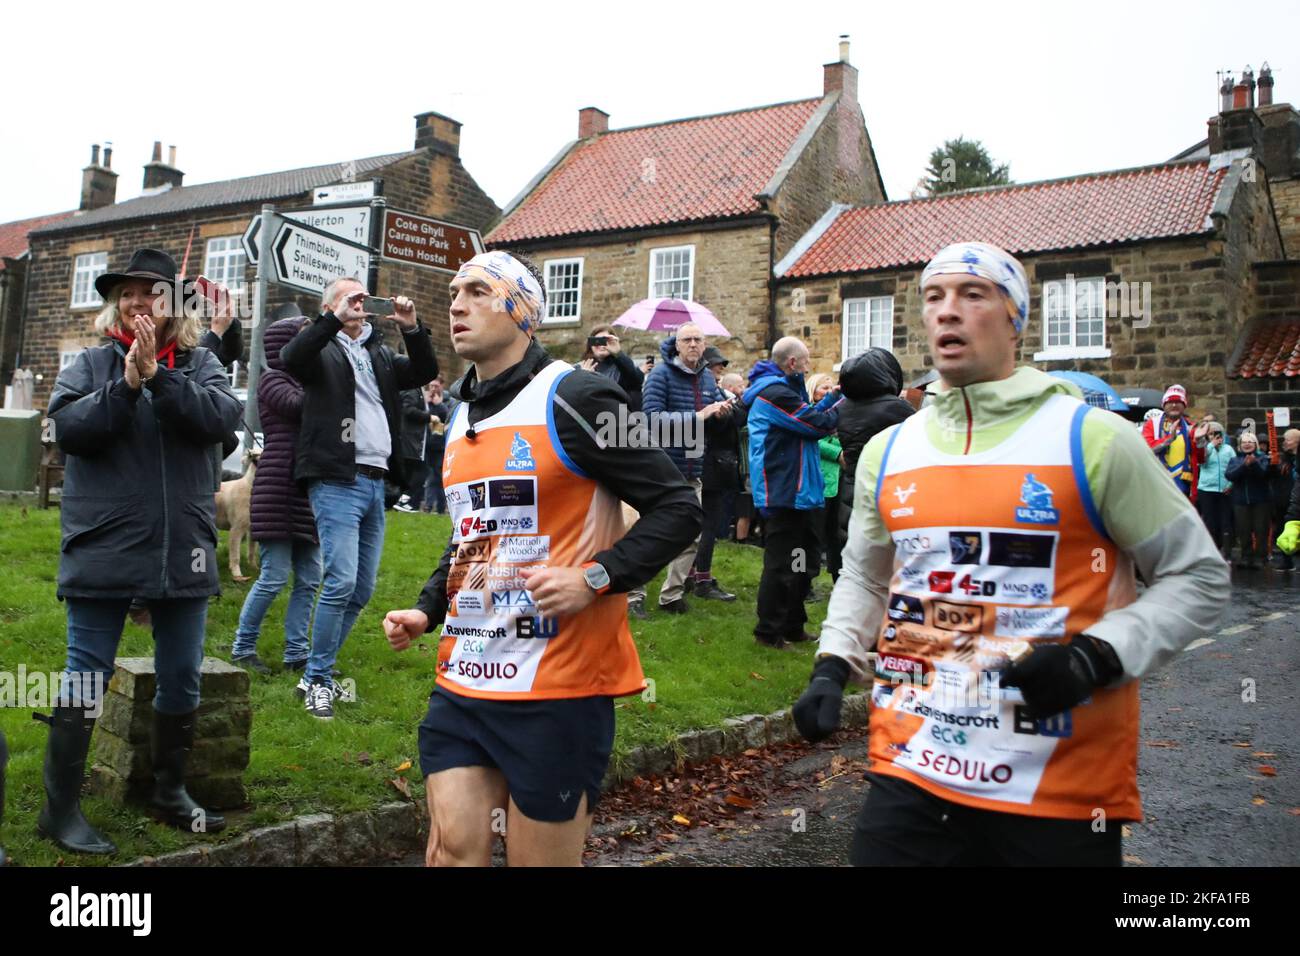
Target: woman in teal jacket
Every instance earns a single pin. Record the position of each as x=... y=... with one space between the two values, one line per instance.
x=1213 y=489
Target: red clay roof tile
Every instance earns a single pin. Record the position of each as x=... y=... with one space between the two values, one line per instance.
x=707 y=167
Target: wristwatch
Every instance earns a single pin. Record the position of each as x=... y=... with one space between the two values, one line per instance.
x=596 y=576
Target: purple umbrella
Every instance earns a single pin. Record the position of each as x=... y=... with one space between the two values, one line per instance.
x=664 y=315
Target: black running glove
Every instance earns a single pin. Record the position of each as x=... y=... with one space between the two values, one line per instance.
x=817 y=711
x=1056 y=677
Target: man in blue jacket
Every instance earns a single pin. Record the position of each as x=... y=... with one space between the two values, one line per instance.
x=679 y=395
x=785 y=474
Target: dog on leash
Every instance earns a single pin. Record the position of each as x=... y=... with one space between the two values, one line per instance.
x=233 y=502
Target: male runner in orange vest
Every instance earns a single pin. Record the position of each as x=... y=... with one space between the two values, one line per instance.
x=995 y=535
x=531 y=590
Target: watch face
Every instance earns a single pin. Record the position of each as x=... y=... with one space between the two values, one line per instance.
x=597 y=577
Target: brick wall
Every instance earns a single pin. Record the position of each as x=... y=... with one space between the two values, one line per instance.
x=1187 y=341
x=731 y=279
x=432 y=183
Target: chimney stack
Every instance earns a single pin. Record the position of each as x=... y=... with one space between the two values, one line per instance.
x=1265 y=85
x=841 y=75
x=98 y=183
x=1225 y=93
x=158 y=174
x=592 y=121
x=437 y=132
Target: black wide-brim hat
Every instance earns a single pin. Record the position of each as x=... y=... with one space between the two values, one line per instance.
x=714 y=356
x=145 y=264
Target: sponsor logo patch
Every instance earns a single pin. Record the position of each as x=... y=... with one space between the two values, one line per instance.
x=511 y=599
x=958 y=617
x=536 y=627
x=941 y=581
x=521 y=549
x=1011 y=550
x=1060 y=725
x=1036 y=499
x=521 y=455
x=1031 y=621
x=966 y=546
x=508 y=492
x=904 y=607
x=477 y=495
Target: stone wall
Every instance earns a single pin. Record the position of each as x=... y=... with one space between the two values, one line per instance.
x=1286 y=204
x=731 y=279
x=432 y=183
x=1187 y=341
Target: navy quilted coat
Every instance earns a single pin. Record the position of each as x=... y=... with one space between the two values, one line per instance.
x=280 y=510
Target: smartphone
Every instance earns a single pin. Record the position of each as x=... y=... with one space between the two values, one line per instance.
x=373 y=305
x=208 y=289
x=595 y=340
x=650 y=359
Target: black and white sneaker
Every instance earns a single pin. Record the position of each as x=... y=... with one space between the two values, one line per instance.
x=404 y=504
x=320 y=701
x=304 y=686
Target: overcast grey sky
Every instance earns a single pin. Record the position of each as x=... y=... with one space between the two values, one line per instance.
x=1053 y=89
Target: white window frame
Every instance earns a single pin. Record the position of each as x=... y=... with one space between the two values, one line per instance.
x=576 y=318
x=655 y=254
x=867 y=303
x=1068 y=290
x=91 y=265
x=217 y=262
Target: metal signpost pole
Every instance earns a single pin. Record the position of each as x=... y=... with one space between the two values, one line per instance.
x=256 y=349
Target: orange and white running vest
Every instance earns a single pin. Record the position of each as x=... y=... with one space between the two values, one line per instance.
x=517 y=502
x=994 y=549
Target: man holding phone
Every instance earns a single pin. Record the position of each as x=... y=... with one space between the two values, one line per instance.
x=349 y=443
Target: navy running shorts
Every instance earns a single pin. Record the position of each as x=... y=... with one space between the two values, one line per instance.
x=549 y=751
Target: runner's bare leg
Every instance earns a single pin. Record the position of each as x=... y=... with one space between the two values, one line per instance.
x=461 y=803
x=539 y=843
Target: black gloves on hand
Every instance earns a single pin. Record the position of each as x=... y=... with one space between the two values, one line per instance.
x=817 y=712
x=1056 y=677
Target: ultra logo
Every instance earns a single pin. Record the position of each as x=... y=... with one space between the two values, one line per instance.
x=1036 y=497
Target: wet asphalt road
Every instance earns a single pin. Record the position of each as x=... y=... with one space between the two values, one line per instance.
x=1210 y=720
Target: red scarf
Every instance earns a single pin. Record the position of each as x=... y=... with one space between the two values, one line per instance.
x=165 y=354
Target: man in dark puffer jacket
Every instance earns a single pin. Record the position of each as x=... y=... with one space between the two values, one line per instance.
x=870 y=383
x=281 y=519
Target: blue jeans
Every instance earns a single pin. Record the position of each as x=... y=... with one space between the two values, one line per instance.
x=278 y=557
x=434 y=497
x=350 y=523
x=95 y=628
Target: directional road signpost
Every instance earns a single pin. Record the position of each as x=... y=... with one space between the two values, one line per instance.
x=349 y=222
x=431 y=243
x=309 y=259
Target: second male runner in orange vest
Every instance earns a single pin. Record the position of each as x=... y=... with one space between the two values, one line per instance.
x=531 y=590
x=995 y=535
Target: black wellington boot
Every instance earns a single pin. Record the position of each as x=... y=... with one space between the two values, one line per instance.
x=173 y=737
x=60 y=819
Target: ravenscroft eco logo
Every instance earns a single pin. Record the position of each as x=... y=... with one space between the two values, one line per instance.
x=1036 y=497
x=76 y=909
x=521 y=455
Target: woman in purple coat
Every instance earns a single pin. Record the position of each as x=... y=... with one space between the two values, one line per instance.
x=281 y=519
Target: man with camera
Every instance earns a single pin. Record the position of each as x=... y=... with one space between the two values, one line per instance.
x=678 y=398
x=350 y=441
